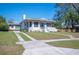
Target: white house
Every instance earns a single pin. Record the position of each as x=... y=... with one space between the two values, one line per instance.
x=14 y=26
x=41 y=25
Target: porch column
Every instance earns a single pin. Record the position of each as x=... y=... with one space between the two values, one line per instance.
x=23 y=26
x=14 y=27
x=39 y=24
x=28 y=26
x=45 y=27
x=32 y=24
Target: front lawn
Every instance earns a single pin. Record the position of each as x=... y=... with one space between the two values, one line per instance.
x=66 y=44
x=45 y=36
x=8 y=44
x=74 y=34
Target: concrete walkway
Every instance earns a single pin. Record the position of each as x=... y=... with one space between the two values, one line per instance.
x=18 y=36
x=31 y=38
x=36 y=47
x=52 y=40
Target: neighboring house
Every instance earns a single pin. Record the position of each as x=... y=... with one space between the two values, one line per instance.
x=76 y=28
x=67 y=27
x=14 y=26
x=41 y=25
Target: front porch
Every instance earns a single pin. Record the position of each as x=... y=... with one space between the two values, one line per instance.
x=33 y=26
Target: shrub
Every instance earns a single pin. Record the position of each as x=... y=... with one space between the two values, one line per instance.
x=3 y=24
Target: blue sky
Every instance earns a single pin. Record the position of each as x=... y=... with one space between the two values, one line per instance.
x=32 y=10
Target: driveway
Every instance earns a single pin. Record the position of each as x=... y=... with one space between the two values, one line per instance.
x=36 y=47
x=41 y=48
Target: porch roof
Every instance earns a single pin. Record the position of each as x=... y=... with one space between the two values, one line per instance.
x=10 y=24
x=77 y=25
x=37 y=20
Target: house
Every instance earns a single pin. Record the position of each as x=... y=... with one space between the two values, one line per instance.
x=40 y=25
x=76 y=28
x=14 y=26
x=68 y=27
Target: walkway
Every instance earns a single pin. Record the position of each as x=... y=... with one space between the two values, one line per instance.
x=36 y=47
x=52 y=40
x=18 y=36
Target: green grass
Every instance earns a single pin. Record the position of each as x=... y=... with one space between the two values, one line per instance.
x=69 y=33
x=24 y=37
x=8 y=44
x=45 y=36
x=66 y=44
x=74 y=34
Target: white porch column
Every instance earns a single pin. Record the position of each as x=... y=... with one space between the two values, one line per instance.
x=39 y=27
x=28 y=26
x=14 y=27
x=23 y=26
x=32 y=24
x=39 y=24
x=45 y=27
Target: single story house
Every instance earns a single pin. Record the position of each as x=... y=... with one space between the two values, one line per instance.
x=14 y=26
x=41 y=25
x=76 y=28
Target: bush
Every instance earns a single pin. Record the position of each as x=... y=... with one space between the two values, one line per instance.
x=3 y=24
x=4 y=27
x=24 y=30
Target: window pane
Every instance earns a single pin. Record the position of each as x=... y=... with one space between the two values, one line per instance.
x=30 y=24
x=35 y=24
x=42 y=24
x=12 y=26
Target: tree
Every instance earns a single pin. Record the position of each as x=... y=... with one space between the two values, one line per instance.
x=57 y=19
x=68 y=15
x=3 y=24
x=76 y=7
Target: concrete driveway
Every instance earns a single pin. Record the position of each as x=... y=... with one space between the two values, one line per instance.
x=36 y=47
x=41 y=48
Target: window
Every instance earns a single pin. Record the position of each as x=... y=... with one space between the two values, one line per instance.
x=25 y=24
x=42 y=25
x=30 y=24
x=12 y=26
x=35 y=24
x=49 y=24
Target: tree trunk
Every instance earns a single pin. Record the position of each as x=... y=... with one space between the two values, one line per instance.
x=72 y=25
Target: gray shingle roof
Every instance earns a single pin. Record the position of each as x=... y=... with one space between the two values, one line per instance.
x=36 y=19
x=13 y=24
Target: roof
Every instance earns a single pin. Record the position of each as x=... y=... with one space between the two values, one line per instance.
x=35 y=19
x=76 y=25
x=14 y=24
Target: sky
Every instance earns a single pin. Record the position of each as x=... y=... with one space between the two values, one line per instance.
x=32 y=10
